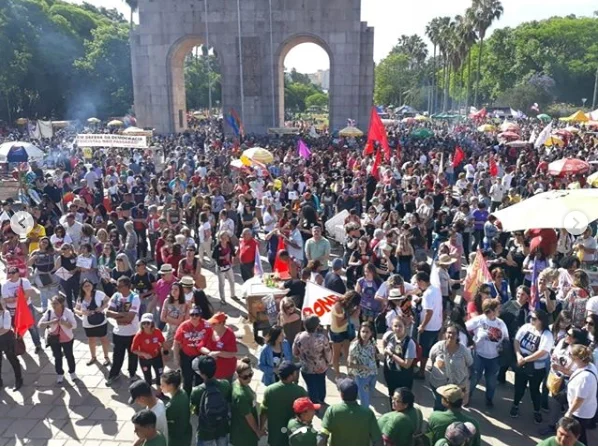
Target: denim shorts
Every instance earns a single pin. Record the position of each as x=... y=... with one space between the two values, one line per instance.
x=339 y=337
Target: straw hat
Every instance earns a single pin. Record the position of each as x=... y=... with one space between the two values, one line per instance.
x=445 y=259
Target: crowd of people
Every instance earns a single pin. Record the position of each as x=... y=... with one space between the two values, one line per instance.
x=121 y=243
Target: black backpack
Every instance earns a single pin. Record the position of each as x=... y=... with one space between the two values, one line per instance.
x=213 y=407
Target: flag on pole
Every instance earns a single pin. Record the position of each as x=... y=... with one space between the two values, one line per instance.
x=458 y=157
x=543 y=135
x=234 y=121
x=376 y=132
x=376 y=166
x=492 y=167
x=23 y=318
x=441 y=164
x=257 y=263
x=303 y=150
x=534 y=294
x=477 y=274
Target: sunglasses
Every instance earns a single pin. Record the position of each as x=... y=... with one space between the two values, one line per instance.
x=590 y=323
x=194 y=315
x=146 y=323
x=246 y=376
x=532 y=318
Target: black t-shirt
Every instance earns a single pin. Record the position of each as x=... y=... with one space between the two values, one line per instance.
x=53 y=192
x=335 y=283
x=142 y=283
x=139 y=192
x=296 y=291
x=126 y=206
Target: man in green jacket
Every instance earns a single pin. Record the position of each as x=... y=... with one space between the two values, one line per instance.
x=452 y=400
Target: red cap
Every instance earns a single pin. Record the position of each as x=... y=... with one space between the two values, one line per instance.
x=303 y=404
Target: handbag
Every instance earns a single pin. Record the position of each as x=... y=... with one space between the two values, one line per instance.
x=554 y=383
x=52 y=339
x=95 y=319
x=19 y=346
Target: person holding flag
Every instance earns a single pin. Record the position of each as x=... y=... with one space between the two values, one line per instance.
x=7 y=346
x=12 y=290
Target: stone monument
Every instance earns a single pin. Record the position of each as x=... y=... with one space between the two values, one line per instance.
x=251 y=39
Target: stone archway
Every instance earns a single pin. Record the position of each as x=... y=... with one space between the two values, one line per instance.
x=282 y=53
x=249 y=36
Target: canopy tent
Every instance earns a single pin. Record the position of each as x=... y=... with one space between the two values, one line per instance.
x=577 y=117
x=544 y=117
x=554 y=140
x=350 y=131
x=422 y=132
x=568 y=166
x=551 y=209
x=137 y=131
x=20 y=151
x=115 y=123
x=258 y=154
x=93 y=120
x=406 y=110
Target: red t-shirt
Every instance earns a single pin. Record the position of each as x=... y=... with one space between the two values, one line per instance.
x=247 y=250
x=191 y=338
x=225 y=368
x=148 y=343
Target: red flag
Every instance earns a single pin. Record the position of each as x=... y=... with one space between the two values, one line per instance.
x=279 y=266
x=493 y=169
x=23 y=318
x=376 y=132
x=376 y=166
x=477 y=274
x=458 y=156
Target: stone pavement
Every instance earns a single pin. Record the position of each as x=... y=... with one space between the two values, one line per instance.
x=89 y=413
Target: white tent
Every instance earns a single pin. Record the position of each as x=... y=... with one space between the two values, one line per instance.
x=593 y=115
x=22 y=150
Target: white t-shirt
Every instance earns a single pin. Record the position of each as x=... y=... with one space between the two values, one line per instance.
x=203 y=231
x=131 y=303
x=469 y=170
x=296 y=237
x=531 y=341
x=161 y=422
x=99 y=297
x=588 y=243
x=592 y=305
x=487 y=335
x=432 y=300
x=9 y=290
x=583 y=383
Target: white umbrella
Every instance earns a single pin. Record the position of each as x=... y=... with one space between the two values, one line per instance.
x=33 y=152
x=571 y=209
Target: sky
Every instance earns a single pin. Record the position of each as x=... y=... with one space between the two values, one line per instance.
x=392 y=18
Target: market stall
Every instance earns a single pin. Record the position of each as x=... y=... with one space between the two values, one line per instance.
x=262 y=300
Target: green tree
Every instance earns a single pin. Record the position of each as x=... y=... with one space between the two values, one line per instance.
x=433 y=33
x=202 y=74
x=316 y=100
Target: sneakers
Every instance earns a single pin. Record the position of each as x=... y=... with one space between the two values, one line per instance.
x=537 y=417
x=60 y=379
x=514 y=413
x=38 y=349
x=111 y=380
x=73 y=377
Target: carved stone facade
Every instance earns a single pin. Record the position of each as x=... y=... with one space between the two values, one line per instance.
x=169 y=29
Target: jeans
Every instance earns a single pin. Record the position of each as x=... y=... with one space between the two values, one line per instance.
x=132 y=255
x=316 y=386
x=33 y=331
x=122 y=345
x=586 y=424
x=70 y=288
x=490 y=369
x=142 y=243
x=478 y=237
x=223 y=276
x=190 y=378
x=521 y=381
x=146 y=368
x=223 y=440
x=46 y=294
x=247 y=271
x=57 y=351
x=7 y=346
x=365 y=387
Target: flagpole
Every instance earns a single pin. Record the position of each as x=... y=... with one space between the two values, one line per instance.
x=241 y=62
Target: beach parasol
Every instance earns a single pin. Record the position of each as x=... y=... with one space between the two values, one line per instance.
x=508 y=135
x=22 y=121
x=564 y=133
x=350 y=131
x=544 y=117
x=509 y=127
x=572 y=129
x=422 y=132
x=551 y=209
x=115 y=123
x=568 y=166
x=137 y=131
x=409 y=120
x=20 y=151
x=93 y=120
x=421 y=118
x=259 y=154
x=553 y=140
x=486 y=128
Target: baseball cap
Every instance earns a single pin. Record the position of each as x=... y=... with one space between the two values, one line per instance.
x=459 y=433
x=147 y=318
x=287 y=368
x=304 y=404
x=195 y=311
x=139 y=389
x=452 y=393
x=348 y=389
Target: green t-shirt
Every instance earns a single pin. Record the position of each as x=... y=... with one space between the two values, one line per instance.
x=400 y=427
x=552 y=441
x=441 y=441
x=278 y=405
x=204 y=433
x=348 y=423
x=178 y=416
x=301 y=434
x=243 y=403
x=440 y=420
x=160 y=439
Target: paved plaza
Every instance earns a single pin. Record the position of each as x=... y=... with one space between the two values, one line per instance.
x=90 y=413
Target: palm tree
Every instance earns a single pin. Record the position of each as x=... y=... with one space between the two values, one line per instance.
x=470 y=37
x=133 y=4
x=485 y=12
x=445 y=48
x=414 y=47
x=433 y=33
x=465 y=39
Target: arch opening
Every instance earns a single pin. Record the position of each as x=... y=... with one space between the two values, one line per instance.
x=305 y=69
x=195 y=82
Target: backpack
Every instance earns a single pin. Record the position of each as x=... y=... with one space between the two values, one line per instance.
x=213 y=408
